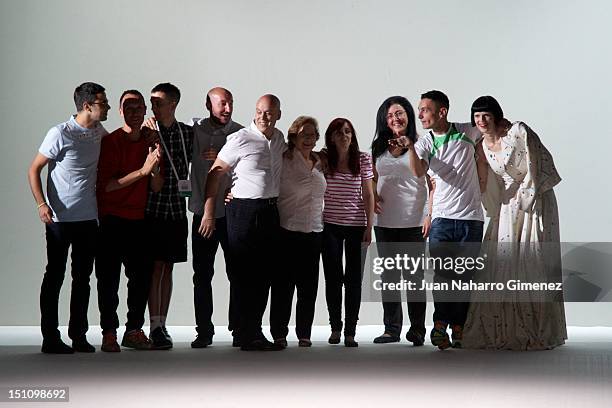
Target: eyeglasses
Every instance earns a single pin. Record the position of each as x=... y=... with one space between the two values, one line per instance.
x=102 y=103
x=397 y=114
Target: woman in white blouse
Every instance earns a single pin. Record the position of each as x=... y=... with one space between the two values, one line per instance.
x=300 y=206
x=401 y=223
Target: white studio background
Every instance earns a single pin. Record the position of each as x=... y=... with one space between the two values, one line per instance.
x=547 y=62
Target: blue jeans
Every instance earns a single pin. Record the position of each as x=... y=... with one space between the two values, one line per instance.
x=444 y=231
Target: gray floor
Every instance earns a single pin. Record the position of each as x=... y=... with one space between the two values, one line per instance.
x=576 y=374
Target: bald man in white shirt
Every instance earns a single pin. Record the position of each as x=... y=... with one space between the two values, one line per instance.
x=254 y=155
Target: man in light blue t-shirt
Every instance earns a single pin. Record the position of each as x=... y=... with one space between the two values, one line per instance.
x=69 y=212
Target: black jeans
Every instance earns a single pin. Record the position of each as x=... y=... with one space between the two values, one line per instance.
x=300 y=254
x=123 y=241
x=253 y=237
x=446 y=240
x=389 y=242
x=204 y=251
x=82 y=236
x=336 y=239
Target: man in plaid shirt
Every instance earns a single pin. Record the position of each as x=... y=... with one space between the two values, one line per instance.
x=166 y=211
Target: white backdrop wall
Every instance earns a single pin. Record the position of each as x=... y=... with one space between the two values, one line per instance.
x=547 y=62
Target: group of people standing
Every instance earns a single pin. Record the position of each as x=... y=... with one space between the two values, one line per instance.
x=120 y=199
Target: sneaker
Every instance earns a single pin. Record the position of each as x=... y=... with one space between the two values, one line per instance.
x=457 y=336
x=136 y=339
x=159 y=340
x=201 y=342
x=56 y=347
x=439 y=338
x=83 y=346
x=386 y=338
x=304 y=343
x=417 y=339
x=109 y=343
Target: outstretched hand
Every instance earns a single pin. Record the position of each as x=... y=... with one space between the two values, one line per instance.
x=401 y=141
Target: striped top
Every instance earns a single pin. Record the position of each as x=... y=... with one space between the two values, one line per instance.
x=343 y=196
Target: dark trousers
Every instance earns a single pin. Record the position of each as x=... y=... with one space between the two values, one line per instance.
x=123 y=242
x=253 y=236
x=453 y=238
x=336 y=240
x=82 y=236
x=204 y=251
x=300 y=269
x=390 y=242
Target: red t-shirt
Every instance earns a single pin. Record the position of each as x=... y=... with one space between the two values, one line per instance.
x=120 y=156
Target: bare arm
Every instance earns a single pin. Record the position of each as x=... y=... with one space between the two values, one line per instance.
x=377 y=198
x=44 y=211
x=431 y=186
x=149 y=166
x=219 y=168
x=417 y=165
x=367 y=193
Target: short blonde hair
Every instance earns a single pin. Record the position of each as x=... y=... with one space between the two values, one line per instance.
x=298 y=124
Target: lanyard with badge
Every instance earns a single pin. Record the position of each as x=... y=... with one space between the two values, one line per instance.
x=184 y=186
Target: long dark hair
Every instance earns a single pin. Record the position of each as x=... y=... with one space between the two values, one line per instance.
x=383 y=133
x=332 y=151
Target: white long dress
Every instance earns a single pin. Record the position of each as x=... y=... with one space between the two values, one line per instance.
x=521 y=243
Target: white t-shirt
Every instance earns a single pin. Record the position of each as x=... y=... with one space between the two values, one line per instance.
x=205 y=137
x=256 y=162
x=71 y=180
x=452 y=164
x=300 y=202
x=403 y=195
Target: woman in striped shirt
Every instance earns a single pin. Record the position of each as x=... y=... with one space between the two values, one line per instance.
x=347 y=215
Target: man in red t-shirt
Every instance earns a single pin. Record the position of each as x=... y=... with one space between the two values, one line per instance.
x=128 y=167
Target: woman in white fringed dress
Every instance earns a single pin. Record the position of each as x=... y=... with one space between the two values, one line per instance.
x=521 y=241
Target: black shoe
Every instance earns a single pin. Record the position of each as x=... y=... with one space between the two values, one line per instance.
x=261 y=345
x=83 y=346
x=281 y=342
x=386 y=338
x=415 y=338
x=56 y=347
x=349 y=341
x=201 y=342
x=159 y=340
x=165 y=331
x=236 y=342
x=334 y=337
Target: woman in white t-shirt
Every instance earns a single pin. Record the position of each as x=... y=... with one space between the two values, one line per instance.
x=300 y=206
x=347 y=216
x=401 y=223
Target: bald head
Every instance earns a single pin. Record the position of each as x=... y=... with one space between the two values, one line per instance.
x=267 y=112
x=270 y=99
x=220 y=104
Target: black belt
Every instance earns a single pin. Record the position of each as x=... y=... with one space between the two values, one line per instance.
x=268 y=201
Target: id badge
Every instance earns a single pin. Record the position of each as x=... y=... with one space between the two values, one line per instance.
x=184 y=188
